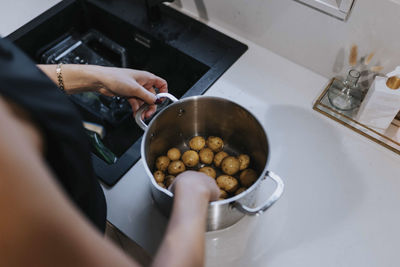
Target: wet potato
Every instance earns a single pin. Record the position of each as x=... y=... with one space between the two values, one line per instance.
x=227 y=183
x=176 y=167
x=222 y=194
x=207 y=152
x=215 y=143
x=209 y=171
x=168 y=180
x=174 y=154
x=206 y=155
x=244 y=161
x=248 y=177
x=230 y=165
x=219 y=157
x=162 y=163
x=159 y=176
x=197 y=143
x=190 y=158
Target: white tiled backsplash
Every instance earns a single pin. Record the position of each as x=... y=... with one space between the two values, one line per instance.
x=309 y=37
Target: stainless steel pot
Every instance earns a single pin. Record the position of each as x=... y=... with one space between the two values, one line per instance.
x=209 y=116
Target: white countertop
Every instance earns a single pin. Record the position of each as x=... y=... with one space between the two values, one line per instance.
x=340 y=205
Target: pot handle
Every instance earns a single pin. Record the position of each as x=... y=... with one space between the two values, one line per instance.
x=144 y=107
x=272 y=199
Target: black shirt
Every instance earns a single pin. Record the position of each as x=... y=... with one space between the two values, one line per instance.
x=67 y=149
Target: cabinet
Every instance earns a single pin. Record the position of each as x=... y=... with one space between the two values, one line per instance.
x=336 y=8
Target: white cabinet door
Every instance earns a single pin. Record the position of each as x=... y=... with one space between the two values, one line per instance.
x=337 y=8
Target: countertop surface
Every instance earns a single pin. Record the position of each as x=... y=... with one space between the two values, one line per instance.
x=340 y=205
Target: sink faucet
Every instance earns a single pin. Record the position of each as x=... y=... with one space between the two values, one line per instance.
x=153 y=9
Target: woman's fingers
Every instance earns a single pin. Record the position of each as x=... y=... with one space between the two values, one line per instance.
x=144 y=94
x=161 y=84
x=134 y=104
x=137 y=86
x=152 y=109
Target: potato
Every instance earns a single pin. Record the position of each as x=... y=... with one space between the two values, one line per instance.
x=215 y=143
x=190 y=158
x=174 y=154
x=168 y=180
x=240 y=190
x=206 y=155
x=159 y=176
x=209 y=171
x=219 y=157
x=248 y=177
x=162 y=185
x=176 y=167
x=162 y=163
x=244 y=161
x=227 y=183
x=230 y=165
x=223 y=194
x=197 y=143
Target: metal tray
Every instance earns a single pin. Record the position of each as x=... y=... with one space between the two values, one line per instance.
x=347 y=118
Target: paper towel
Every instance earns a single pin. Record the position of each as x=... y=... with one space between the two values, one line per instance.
x=381 y=104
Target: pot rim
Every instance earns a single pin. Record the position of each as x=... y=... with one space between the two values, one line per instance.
x=217 y=202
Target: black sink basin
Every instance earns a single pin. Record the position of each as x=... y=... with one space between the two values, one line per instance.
x=188 y=54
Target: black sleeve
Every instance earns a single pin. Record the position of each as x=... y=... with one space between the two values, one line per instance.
x=67 y=150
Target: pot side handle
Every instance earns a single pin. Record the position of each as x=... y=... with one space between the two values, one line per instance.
x=272 y=199
x=144 y=107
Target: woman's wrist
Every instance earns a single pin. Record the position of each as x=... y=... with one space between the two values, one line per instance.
x=76 y=78
x=81 y=78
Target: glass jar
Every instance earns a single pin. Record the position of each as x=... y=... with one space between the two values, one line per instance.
x=346 y=95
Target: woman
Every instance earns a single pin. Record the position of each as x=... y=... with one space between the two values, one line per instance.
x=54 y=209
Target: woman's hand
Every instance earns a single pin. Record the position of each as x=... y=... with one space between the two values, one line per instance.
x=138 y=86
x=183 y=244
x=196 y=183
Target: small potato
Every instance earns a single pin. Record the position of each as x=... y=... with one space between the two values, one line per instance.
x=240 y=190
x=190 y=158
x=230 y=165
x=197 y=143
x=209 y=171
x=244 y=161
x=219 y=157
x=223 y=194
x=176 y=167
x=162 y=185
x=215 y=143
x=227 y=183
x=206 y=155
x=162 y=163
x=248 y=177
x=159 y=176
x=174 y=154
x=168 y=180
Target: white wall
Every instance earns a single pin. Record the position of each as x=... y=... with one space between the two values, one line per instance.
x=308 y=37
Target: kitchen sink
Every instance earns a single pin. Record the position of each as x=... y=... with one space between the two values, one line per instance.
x=188 y=54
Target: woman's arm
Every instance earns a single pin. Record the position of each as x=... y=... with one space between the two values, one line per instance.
x=137 y=85
x=42 y=227
x=183 y=244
